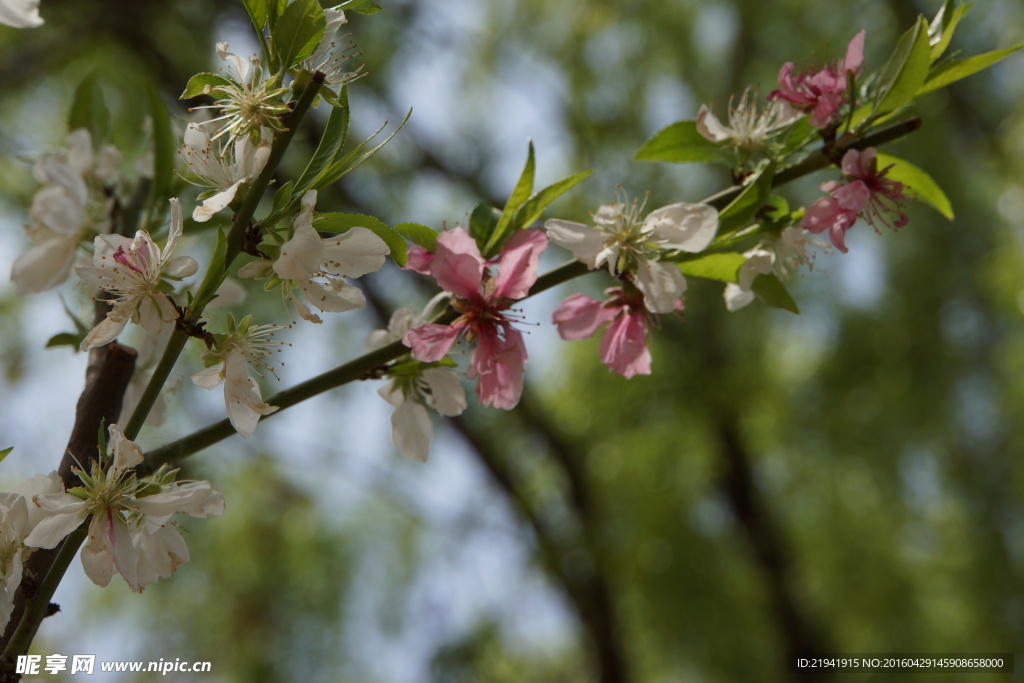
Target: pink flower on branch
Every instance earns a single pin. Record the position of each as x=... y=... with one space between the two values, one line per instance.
x=820 y=93
x=624 y=344
x=483 y=300
x=868 y=193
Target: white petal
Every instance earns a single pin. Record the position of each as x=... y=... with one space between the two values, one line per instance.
x=392 y=394
x=662 y=285
x=446 y=390
x=180 y=267
x=209 y=378
x=411 y=431
x=357 y=252
x=20 y=13
x=213 y=204
x=337 y=297
x=52 y=529
x=689 y=227
x=104 y=333
x=584 y=241
x=126 y=453
x=44 y=266
x=736 y=297
x=710 y=127
x=301 y=255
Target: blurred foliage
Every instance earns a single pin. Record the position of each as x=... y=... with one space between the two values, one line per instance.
x=848 y=480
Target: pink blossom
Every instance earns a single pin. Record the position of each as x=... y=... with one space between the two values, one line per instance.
x=624 y=344
x=482 y=299
x=820 y=93
x=868 y=193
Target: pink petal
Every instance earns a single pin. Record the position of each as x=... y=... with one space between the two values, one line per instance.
x=517 y=265
x=430 y=342
x=419 y=260
x=854 y=53
x=624 y=345
x=457 y=265
x=579 y=316
x=853 y=196
x=497 y=364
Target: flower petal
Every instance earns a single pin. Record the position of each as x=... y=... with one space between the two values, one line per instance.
x=517 y=264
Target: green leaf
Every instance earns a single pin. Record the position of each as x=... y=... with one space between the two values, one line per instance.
x=418 y=234
x=919 y=184
x=940 y=31
x=65 y=339
x=906 y=70
x=342 y=222
x=521 y=192
x=282 y=198
x=722 y=266
x=774 y=293
x=89 y=111
x=164 y=148
x=532 y=209
x=298 y=32
x=205 y=84
x=337 y=170
x=483 y=221
x=741 y=211
x=258 y=11
x=954 y=70
x=5 y=452
x=680 y=143
x=331 y=143
x=360 y=6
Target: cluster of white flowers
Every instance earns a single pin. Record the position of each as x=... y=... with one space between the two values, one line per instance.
x=132 y=531
x=64 y=211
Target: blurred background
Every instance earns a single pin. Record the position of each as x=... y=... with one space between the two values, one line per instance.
x=845 y=480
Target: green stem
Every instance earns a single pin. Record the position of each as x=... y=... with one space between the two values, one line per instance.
x=37 y=606
x=216 y=273
x=363 y=366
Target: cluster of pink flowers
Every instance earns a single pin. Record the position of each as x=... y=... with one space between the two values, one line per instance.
x=483 y=300
x=866 y=193
x=820 y=93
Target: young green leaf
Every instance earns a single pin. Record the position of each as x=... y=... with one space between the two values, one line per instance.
x=418 y=234
x=483 y=221
x=330 y=145
x=919 y=184
x=282 y=198
x=258 y=11
x=521 y=192
x=940 y=31
x=774 y=293
x=89 y=111
x=906 y=70
x=337 y=170
x=953 y=71
x=5 y=452
x=532 y=209
x=680 y=143
x=298 y=32
x=342 y=222
x=360 y=6
x=722 y=266
x=204 y=84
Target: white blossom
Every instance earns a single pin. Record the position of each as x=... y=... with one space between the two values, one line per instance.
x=126 y=512
x=246 y=345
x=315 y=267
x=330 y=59
x=739 y=294
x=224 y=167
x=134 y=272
x=622 y=242
x=18 y=516
x=748 y=129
